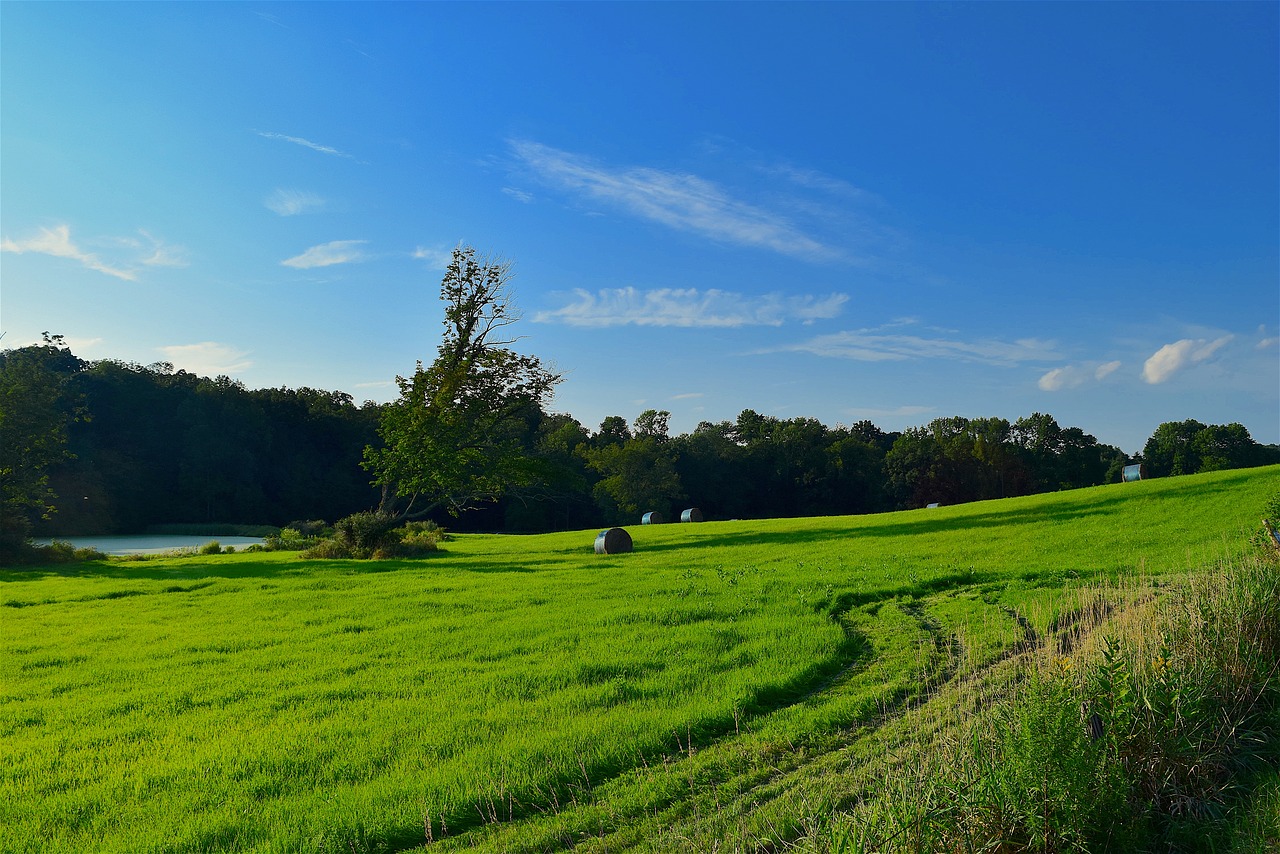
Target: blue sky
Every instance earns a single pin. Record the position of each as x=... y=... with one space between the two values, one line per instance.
x=894 y=212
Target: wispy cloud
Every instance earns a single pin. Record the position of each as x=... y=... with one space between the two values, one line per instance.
x=437 y=259
x=815 y=180
x=56 y=241
x=328 y=254
x=690 y=396
x=680 y=201
x=151 y=251
x=306 y=143
x=689 y=307
x=293 y=202
x=878 y=345
x=519 y=195
x=1074 y=376
x=1172 y=358
x=208 y=358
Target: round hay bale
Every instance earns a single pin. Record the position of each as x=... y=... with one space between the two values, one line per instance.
x=613 y=541
x=693 y=514
x=653 y=517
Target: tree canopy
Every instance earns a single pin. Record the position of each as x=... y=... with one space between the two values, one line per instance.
x=453 y=439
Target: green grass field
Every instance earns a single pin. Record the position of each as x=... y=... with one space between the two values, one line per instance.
x=522 y=693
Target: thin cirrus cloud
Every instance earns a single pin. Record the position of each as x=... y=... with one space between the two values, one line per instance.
x=1170 y=359
x=208 y=358
x=437 y=259
x=293 y=202
x=146 y=250
x=877 y=345
x=689 y=307
x=328 y=254
x=305 y=143
x=1074 y=376
x=680 y=201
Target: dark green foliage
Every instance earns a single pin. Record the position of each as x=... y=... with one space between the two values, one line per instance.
x=153 y=446
x=639 y=473
x=37 y=405
x=364 y=534
x=1189 y=447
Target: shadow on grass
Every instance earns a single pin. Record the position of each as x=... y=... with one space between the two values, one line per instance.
x=210 y=566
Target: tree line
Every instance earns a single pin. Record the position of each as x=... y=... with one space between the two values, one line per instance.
x=107 y=446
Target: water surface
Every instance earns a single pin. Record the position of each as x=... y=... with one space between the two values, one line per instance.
x=140 y=544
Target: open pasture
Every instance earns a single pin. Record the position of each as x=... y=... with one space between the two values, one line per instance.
x=523 y=693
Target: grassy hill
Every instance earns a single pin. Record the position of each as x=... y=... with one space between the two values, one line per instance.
x=726 y=686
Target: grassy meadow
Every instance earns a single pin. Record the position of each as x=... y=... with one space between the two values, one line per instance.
x=727 y=686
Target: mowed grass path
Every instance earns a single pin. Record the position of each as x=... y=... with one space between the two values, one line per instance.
x=257 y=702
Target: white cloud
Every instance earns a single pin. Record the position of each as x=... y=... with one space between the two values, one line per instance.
x=874 y=345
x=1267 y=343
x=1172 y=358
x=328 y=254
x=56 y=241
x=680 y=201
x=293 y=202
x=1060 y=378
x=207 y=358
x=437 y=259
x=689 y=396
x=519 y=195
x=689 y=307
x=1074 y=376
x=1105 y=370
x=306 y=143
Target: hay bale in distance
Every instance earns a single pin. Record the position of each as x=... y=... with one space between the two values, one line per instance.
x=653 y=517
x=693 y=514
x=613 y=541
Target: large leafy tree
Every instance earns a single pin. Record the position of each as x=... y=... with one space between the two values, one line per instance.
x=454 y=438
x=36 y=407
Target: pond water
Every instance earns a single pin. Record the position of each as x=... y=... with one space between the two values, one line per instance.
x=141 y=544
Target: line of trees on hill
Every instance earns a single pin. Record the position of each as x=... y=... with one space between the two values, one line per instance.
x=111 y=447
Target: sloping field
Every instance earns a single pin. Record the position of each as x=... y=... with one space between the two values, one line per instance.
x=523 y=693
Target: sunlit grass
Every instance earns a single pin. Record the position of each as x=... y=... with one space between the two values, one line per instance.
x=524 y=690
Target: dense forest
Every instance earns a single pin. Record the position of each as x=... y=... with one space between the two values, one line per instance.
x=111 y=447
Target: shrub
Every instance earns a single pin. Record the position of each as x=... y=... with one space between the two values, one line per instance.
x=213 y=547
x=309 y=528
x=291 y=539
x=373 y=535
x=420 y=537
x=365 y=535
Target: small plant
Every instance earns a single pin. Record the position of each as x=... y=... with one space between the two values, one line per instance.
x=213 y=547
x=292 y=539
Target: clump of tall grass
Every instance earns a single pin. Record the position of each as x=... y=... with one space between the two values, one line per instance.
x=1147 y=737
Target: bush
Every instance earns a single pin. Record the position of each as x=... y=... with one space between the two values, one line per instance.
x=291 y=539
x=58 y=551
x=372 y=535
x=310 y=528
x=213 y=547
